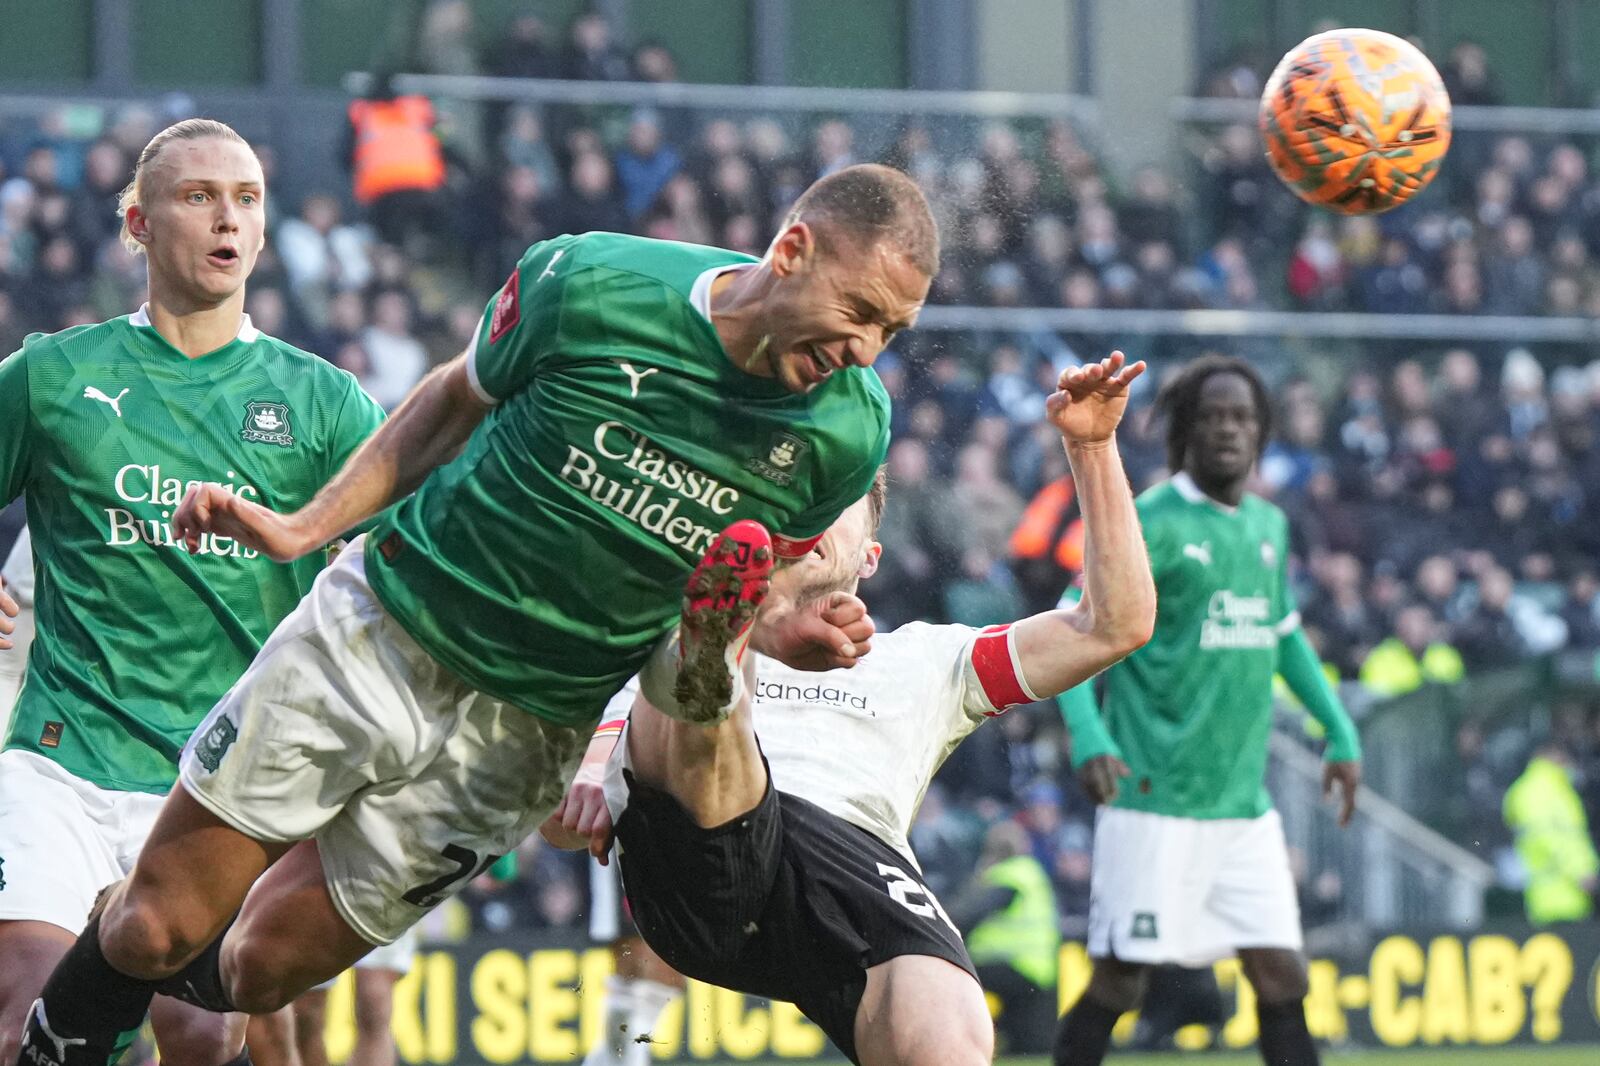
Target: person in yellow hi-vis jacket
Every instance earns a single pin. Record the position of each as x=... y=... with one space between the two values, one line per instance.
x=1013 y=935
x=1545 y=812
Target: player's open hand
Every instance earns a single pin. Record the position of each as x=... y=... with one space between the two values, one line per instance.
x=582 y=819
x=830 y=634
x=8 y=611
x=211 y=508
x=1089 y=399
x=1102 y=776
x=1347 y=775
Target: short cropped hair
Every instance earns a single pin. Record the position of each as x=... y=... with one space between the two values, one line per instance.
x=877 y=497
x=872 y=203
x=190 y=129
x=1180 y=397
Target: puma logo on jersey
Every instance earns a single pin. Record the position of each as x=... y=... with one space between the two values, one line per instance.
x=1200 y=552
x=92 y=393
x=636 y=377
x=550 y=267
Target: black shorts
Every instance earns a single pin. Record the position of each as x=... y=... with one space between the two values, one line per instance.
x=787 y=902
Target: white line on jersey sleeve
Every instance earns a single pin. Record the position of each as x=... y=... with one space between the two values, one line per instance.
x=472 y=367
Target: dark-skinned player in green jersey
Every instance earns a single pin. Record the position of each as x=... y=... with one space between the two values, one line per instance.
x=1190 y=863
x=625 y=400
x=104 y=427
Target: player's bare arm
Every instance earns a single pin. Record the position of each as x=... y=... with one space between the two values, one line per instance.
x=583 y=820
x=1062 y=648
x=424 y=432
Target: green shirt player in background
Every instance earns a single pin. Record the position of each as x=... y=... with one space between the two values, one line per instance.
x=1190 y=863
x=104 y=427
x=423 y=710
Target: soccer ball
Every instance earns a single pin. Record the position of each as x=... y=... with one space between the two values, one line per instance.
x=1357 y=121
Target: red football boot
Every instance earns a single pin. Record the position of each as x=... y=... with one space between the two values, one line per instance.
x=720 y=602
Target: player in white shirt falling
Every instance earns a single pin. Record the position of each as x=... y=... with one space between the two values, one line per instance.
x=807 y=890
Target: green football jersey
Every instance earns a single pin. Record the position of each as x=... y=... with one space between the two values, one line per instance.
x=105 y=427
x=1192 y=709
x=544 y=562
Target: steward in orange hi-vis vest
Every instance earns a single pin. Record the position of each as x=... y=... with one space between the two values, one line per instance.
x=395 y=147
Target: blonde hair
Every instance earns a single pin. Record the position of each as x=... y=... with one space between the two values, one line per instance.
x=190 y=129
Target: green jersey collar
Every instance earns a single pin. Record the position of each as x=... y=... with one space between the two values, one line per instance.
x=700 y=293
x=248 y=334
x=1195 y=494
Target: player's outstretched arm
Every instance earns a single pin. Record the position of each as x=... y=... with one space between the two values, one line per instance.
x=423 y=433
x=582 y=820
x=1059 y=649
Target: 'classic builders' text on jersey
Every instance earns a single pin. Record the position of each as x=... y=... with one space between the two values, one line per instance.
x=104 y=427
x=1192 y=709
x=543 y=563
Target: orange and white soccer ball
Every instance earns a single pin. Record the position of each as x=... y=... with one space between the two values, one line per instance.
x=1357 y=121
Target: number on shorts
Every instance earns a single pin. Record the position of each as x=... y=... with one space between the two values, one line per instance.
x=903 y=889
x=468 y=866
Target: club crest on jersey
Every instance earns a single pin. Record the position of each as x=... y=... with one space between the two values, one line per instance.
x=781 y=459
x=266 y=423
x=1144 y=926
x=1269 y=555
x=215 y=742
x=507 y=309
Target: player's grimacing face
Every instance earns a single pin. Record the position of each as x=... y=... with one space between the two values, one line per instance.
x=839 y=310
x=1226 y=435
x=204 y=215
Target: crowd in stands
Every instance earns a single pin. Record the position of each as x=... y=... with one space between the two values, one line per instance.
x=1445 y=506
x=1509 y=227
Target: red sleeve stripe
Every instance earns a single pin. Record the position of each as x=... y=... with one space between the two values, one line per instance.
x=994 y=660
x=613 y=726
x=788 y=548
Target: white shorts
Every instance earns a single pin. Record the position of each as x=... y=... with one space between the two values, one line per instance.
x=396 y=957
x=344 y=730
x=1189 y=890
x=63 y=839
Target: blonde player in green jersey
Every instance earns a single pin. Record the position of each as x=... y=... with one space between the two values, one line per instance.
x=1190 y=863
x=624 y=400
x=104 y=427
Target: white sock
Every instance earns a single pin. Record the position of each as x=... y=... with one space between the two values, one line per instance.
x=659 y=678
x=660 y=675
x=613 y=1039
x=650 y=998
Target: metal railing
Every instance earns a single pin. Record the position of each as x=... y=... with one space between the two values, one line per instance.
x=972 y=104
x=1394 y=871
x=1516 y=329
